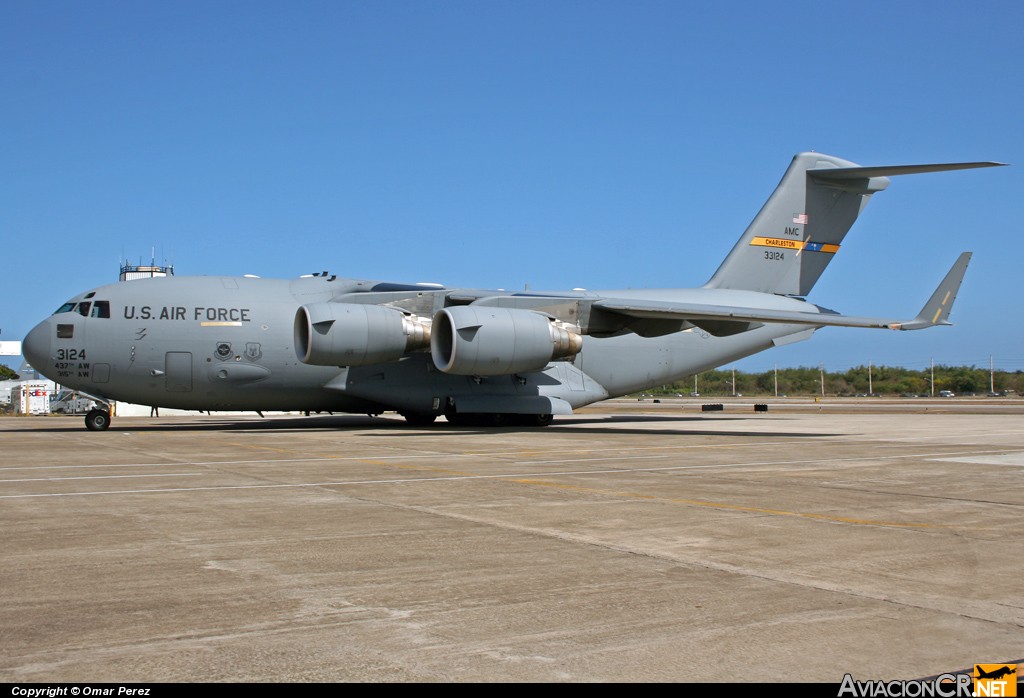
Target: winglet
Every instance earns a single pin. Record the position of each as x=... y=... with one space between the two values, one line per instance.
x=936 y=310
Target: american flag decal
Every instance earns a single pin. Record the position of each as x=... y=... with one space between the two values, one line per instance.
x=800 y=218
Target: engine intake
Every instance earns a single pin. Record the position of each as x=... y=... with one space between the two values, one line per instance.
x=472 y=340
x=354 y=334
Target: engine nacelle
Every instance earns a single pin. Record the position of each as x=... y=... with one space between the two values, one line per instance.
x=354 y=334
x=470 y=340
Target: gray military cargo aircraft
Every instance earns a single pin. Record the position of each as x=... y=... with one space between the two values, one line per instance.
x=326 y=343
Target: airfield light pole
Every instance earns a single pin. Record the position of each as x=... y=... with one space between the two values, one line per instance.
x=734 y=381
x=821 y=372
x=871 y=390
x=776 y=380
x=991 y=376
x=933 y=376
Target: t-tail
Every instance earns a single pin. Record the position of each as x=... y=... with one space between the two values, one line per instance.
x=802 y=225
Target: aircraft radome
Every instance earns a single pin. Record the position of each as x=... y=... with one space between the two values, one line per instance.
x=327 y=343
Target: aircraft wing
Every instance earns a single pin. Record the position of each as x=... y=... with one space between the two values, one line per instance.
x=697 y=312
x=725 y=320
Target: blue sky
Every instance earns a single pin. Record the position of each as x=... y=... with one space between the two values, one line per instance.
x=503 y=144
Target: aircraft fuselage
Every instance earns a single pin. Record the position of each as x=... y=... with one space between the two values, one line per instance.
x=227 y=343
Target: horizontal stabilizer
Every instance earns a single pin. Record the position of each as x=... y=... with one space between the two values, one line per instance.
x=843 y=173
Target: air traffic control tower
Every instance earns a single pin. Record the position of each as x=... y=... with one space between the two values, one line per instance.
x=130 y=272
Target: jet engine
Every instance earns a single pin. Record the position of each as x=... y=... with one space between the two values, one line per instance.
x=354 y=334
x=471 y=340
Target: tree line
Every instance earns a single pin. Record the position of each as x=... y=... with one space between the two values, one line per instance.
x=884 y=380
x=806 y=380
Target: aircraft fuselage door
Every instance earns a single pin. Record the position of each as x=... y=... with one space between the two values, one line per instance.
x=178 y=371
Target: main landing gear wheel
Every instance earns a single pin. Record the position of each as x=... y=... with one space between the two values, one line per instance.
x=97 y=420
x=459 y=419
x=529 y=420
x=497 y=419
x=419 y=419
x=539 y=420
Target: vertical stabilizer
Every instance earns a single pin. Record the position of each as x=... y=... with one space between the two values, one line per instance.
x=797 y=232
x=801 y=227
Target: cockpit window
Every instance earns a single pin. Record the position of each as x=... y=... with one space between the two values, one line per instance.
x=97 y=308
x=101 y=309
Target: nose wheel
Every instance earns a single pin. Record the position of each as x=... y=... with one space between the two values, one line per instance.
x=97 y=420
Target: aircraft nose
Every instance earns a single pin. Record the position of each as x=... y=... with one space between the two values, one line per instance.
x=36 y=346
